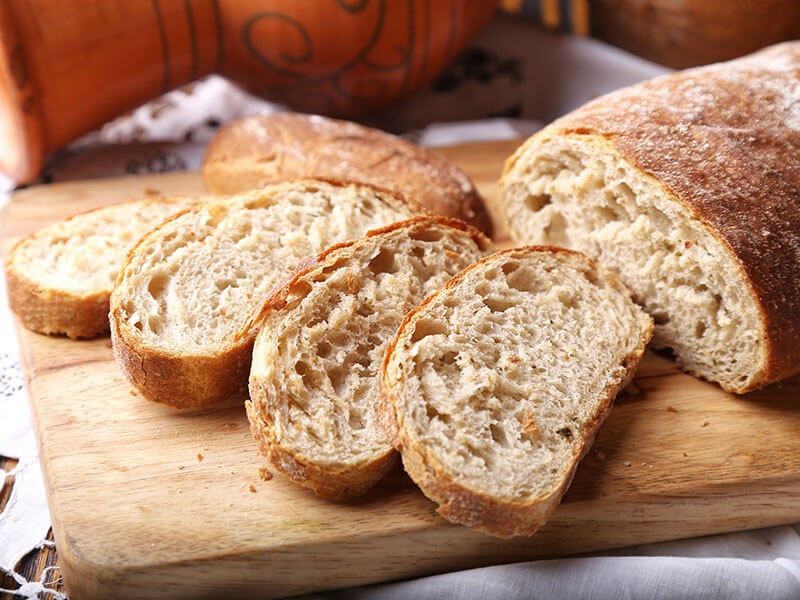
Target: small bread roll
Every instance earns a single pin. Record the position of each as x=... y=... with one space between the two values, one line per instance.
x=263 y=149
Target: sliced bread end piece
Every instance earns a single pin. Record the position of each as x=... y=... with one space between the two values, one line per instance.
x=494 y=387
x=60 y=277
x=313 y=380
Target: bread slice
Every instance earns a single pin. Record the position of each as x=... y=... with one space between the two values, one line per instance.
x=181 y=306
x=60 y=277
x=268 y=148
x=495 y=386
x=686 y=185
x=313 y=405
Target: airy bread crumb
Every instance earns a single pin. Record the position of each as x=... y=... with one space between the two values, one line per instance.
x=494 y=387
x=313 y=380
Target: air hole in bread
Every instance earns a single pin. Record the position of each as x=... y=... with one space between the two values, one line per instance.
x=498 y=434
x=482 y=289
x=367 y=207
x=426 y=327
x=384 y=262
x=426 y=235
x=507 y=267
x=474 y=452
x=435 y=415
x=557 y=229
x=567 y=298
x=158 y=283
x=449 y=358
x=537 y=202
x=155 y=323
x=243 y=231
x=522 y=281
x=223 y=284
x=338 y=379
x=660 y=317
x=216 y=213
x=565 y=433
x=498 y=304
x=613 y=210
x=699 y=329
x=603 y=214
x=324 y=349
x=354 y=420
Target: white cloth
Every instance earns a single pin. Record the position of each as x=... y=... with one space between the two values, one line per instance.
x=525 y=77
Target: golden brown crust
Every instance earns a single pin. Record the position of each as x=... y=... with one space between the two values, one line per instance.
x=263 y=149
x=725 y=140
x=343 y=484
x=181 y=380
x=54 y=312
x=498 y=517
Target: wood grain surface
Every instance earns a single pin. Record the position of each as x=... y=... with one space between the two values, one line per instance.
x=150 y=502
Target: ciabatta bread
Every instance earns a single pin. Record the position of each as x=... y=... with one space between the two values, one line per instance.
x=495 y=386
x=313 y=405
x=60 y=277
x=262 y=149
x=686 y=185
x=181 y=307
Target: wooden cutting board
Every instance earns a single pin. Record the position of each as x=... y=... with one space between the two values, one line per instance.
x=148 y=502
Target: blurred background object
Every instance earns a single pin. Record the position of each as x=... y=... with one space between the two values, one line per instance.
x=674 y=33
x=68 y=66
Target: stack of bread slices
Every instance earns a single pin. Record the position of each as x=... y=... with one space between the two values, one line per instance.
x=361 y=325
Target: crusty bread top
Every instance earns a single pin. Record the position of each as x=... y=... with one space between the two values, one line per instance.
x=313 y=380
x=725 y=140
x=494 y=387
x=268 y=148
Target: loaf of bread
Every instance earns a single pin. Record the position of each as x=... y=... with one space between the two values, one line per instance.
x=687 y=186
x=181 y=307
x=262 y=149
x=60 y=277
x=313 y=405
x=494 y=387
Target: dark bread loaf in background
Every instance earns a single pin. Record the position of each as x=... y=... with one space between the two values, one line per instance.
x=269 y=148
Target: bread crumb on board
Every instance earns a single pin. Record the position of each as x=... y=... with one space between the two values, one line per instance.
x=264 y=474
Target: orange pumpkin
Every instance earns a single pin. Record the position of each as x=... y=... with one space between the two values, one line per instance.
x=68 y=66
